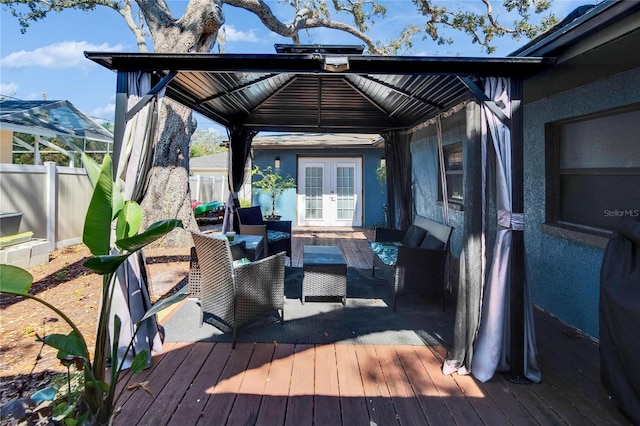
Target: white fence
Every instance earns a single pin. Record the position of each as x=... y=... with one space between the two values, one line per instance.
x=215 y=188
x=54 y=200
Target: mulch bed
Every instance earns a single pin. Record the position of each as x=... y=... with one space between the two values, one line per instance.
x=27 y=365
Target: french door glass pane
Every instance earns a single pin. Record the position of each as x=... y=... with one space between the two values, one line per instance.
x=345 y=190
x=313 y=192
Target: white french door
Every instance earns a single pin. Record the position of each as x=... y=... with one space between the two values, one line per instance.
x=329 y=191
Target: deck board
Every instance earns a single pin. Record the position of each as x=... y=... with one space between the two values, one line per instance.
x=433 y=406
x=344 y=384
x=179 y=384
x=300 y=402
x=247 y=404
x=190 y=408
x=276 y=393
x=374 y=386
x=353 y=406
x=408 y=408
x=225 y=391
x=326 y=403
x=136 y=406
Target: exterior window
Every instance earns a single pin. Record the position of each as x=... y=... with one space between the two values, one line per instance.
x=454 y=173
x=593 y=170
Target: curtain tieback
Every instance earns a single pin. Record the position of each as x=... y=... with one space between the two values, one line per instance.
x=513 y=221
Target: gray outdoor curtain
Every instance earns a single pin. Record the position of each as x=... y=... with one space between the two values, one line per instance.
x=473 y=253
x=399 y=194
x=240 y=139
x=131 y=296
x=493 y=341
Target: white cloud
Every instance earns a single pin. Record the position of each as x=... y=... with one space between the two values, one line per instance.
x=35 y=96
x=65 y=54
x=106 y=113
x=8 y=89
x=232 y=34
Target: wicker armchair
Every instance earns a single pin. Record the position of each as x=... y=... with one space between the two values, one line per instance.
x=231 y=296
x=276 y=233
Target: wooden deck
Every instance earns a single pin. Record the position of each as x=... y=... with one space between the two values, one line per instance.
x=343 y=384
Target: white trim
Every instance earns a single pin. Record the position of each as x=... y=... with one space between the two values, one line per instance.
x=329 y=200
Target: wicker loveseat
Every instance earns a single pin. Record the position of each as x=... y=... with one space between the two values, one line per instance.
x=413 y=260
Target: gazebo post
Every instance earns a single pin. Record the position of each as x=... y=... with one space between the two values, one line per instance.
x=517 y=262
x=120 y=118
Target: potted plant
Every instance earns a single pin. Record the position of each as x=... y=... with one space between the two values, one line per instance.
x=96 y=402
x=272 y=183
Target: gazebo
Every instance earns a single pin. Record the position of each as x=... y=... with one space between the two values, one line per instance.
x=322 y=88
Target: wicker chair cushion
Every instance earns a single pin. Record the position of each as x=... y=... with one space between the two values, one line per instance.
x=240 y=262
x=413 y=237
x=277 y=235
x=386 y=251
x=431 y=242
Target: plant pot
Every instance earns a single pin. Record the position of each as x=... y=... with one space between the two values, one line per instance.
x=10 y=223
x=276 y=217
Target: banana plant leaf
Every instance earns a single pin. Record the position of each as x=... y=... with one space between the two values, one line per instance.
x=153 y=232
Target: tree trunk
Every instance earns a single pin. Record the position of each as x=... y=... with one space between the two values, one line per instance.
x=168 y=194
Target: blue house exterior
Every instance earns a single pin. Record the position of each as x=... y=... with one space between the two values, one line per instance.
x=368 y=148
x=565 y=259
x=592 y=92
x=581 y=161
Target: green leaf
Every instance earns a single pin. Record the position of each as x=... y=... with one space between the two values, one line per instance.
x=117 y=325
x=92 y=168
x=118 y=199
x=129 y=220
x=68 y=344
x=103 y=265
x=163 y=304
x=97 y=225
x=140 y=361
x=62 y=410
x=14 y=280
x=102 y=386
x=153 y=232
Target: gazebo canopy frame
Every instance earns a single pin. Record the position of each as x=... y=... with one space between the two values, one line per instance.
x=331 y=89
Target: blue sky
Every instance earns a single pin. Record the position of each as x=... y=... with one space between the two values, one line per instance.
x=49 y=58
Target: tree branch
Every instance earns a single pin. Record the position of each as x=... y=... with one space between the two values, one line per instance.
x=137 y=29
x=304 y=19
x=38 y=10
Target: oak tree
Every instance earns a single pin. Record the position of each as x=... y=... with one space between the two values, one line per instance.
x=197 y=29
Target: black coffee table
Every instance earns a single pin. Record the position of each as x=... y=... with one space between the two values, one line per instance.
x=325 y=273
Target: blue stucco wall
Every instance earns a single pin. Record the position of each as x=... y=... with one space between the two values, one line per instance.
x=565 y=274
x=374 y=196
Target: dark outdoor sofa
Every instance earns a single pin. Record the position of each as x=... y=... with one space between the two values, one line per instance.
x=414 y=260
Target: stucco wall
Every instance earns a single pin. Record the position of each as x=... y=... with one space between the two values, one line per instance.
x=424 y=147
x=565 y=274
x=374 y=197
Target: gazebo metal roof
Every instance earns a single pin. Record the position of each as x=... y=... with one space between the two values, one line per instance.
x=314 y=91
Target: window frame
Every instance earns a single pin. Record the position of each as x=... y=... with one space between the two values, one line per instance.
x=448 y=150
x=554 y=221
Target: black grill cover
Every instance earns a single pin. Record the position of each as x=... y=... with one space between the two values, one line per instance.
x=620 y=318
